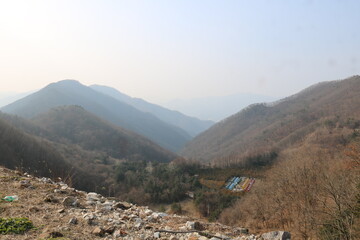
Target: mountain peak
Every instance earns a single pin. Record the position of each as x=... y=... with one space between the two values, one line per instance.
x=66 y=83
x=72 y=92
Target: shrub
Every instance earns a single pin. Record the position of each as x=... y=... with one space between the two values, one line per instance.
x=176 y=208
x=15 y=225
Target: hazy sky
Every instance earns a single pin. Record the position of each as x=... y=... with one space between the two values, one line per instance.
x=168 y=49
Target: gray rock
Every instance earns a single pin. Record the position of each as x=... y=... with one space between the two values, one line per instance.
x=117 y=234
x=51 y=198
x=70 y=202
x=46 y=180
x=89 y=216
x=73 y=220
x=26 y=184
x=91 y=196
x=103 y=207
x=194 y=225
x=122 y=205
x=156 y=235
x=276 y=235
x=138 y=222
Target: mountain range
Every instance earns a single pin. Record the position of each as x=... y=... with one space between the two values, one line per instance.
x=191 y=125
x=308 y=144
x=71 y=92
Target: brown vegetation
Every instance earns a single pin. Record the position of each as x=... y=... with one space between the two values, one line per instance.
x=263 y=128
x=312 y=191
x=38 y=156
x=77 y=146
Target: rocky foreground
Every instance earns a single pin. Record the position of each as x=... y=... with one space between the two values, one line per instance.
x=60 y=212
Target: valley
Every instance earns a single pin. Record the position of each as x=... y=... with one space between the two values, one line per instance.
x=290 y=165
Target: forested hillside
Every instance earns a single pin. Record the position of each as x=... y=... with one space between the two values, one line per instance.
x=38 y=156
x=263 y=129
x=64 y=140
x=74 y=125
x=313 y=191
x=306 y=150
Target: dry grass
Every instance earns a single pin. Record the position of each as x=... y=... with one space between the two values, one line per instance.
x=44 y=215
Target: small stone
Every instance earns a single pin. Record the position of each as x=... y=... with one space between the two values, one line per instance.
x=103 y=207
x=276 y=235
x=51 y=198
x=61 y=210
x=156 y=235
x=119 y=233
x=91 y=196
x=98 y=231
x=66 y=229
x=73 y=220
x=194 y=225
x=138 y=222
x=242 y=231
x=148 y=212
x=122 y=205
x=25 y=184
x=70 y=201
x=34 y=209
x=46 y=180
x=109 y=229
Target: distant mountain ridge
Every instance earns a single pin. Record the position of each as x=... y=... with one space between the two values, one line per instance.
x=216 y=108
x=191 y=125
x=71 y=92
x=7 y=98
x=263 y=128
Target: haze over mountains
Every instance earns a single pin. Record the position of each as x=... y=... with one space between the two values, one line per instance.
x=216 y=108
x=70 y=92
x=7 y=98
x=191 y=125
